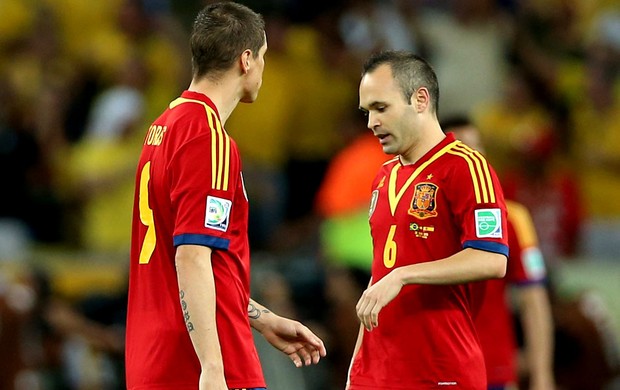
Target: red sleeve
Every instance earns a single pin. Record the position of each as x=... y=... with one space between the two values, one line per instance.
x=478 y=202
x=202 y=188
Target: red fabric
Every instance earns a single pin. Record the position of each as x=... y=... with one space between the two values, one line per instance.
x=426 y=336
x=184 y=201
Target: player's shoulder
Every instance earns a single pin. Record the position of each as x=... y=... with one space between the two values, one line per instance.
x=457 y=151
x=183 y=108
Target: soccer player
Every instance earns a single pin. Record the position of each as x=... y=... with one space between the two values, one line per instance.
x=438 y=222
x=527 y=272
x=189 y=311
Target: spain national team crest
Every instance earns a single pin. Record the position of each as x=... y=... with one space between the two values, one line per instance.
x=424 y=205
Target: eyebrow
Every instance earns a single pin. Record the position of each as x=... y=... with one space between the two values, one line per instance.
x=373 y=105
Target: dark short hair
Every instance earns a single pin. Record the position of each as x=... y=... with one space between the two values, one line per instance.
x=409 y=70
x=221 y=32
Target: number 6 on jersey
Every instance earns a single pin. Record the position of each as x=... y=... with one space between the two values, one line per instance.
x=389 y=251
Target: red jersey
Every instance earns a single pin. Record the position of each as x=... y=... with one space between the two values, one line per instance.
x=494 y=321
x=448 y=200
x=189 y=190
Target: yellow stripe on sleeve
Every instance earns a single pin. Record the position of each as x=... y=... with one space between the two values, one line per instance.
x=479 y=171
x=223 y=153
x=472 y=173
x=220 y=145
x=485 y=169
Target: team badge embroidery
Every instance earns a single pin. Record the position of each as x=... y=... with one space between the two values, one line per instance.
x=218 y=213
x=424 y=203
x=488 y=223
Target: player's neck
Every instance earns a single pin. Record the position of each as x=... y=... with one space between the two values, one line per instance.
x=430 y=137
x=222 y=92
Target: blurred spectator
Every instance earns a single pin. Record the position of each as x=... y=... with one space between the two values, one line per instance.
x=102 y=187
x=370 y=25
x=21 y=356
x=468 y=42
x=40 y=330
x=343 y=203
x=568 y=49
x=587 y=353
x=323 y=88
x=515 y=123
x=105 y=34
x=264 y=149
x=29 y=207
x=548 y=41
x=59 y=62
x=82 y=339
x=596 y=129
x=523 y=143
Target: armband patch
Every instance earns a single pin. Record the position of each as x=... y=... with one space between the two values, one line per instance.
x=218 y=213
x=489 y=223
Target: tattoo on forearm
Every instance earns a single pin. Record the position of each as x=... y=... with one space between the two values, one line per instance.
x=188 y=323
x=254 y=312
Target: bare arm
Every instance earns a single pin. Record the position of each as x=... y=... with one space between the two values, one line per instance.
x=468 y=265
x=289 y=336
x=197 y=299
x=538 y=331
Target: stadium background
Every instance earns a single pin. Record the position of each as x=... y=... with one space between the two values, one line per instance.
x=80 y=82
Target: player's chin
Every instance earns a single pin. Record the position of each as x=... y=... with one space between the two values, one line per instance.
x=249 y=96
x=389 y=149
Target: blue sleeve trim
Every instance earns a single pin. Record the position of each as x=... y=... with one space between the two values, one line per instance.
x=488 y=246
x=201 y=239
x=530 y=283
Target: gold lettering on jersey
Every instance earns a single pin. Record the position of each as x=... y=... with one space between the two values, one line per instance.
x=155 y=135
x=421 y=231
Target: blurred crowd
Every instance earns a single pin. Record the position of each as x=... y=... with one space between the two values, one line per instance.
x=80 y=82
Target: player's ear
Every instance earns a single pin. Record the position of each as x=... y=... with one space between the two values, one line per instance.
x=421 y=99
x=244 y=61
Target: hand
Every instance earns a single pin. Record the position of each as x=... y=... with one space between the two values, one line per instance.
x=294 y=339
x=376 y=297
